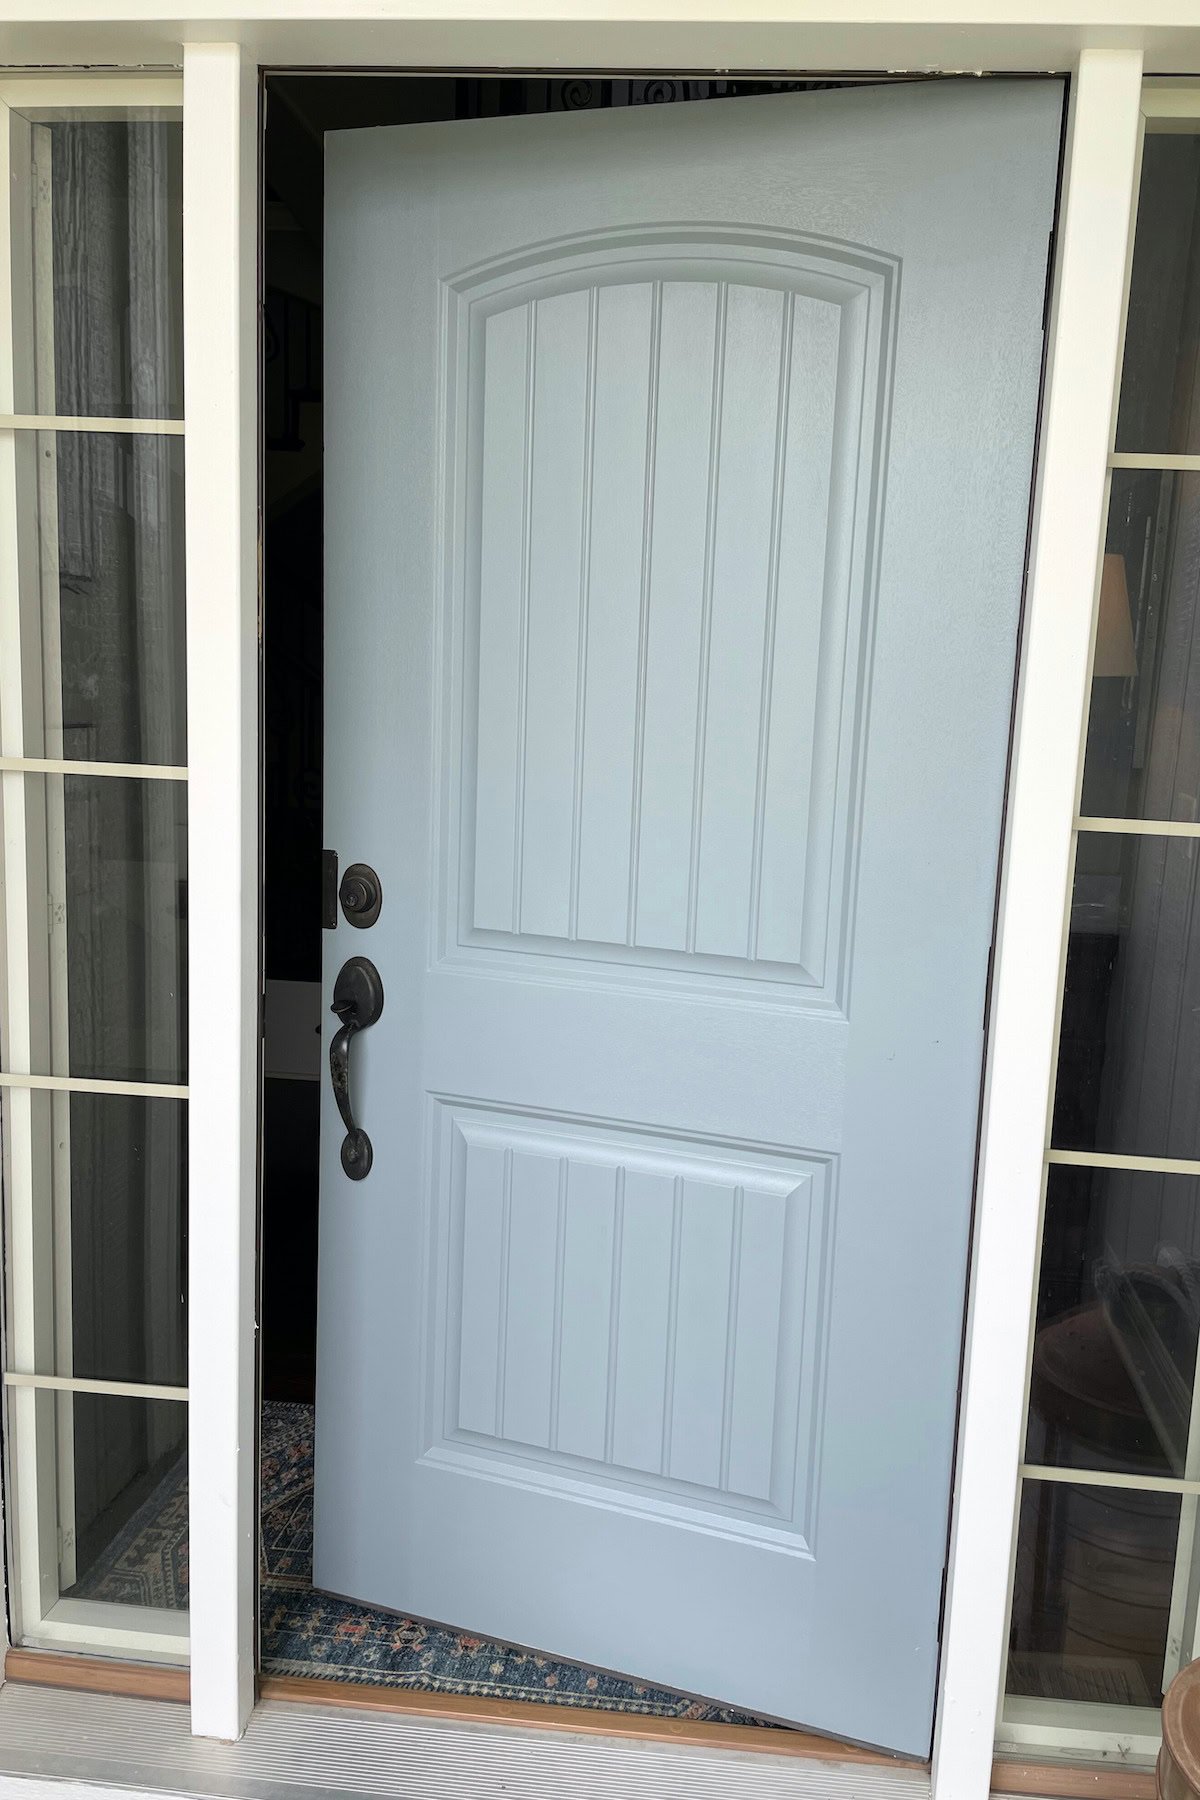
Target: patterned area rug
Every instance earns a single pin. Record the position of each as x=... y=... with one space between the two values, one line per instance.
x=146 y=1564
x=309 y=1633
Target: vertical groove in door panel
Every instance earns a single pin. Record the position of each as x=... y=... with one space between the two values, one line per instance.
x=504 y=1264
x=672 y=1331
x=560 y=1246
x=697 y=1391
x=483 y=1175
x=674 y=643
x=846 y=522
x=803 y=1343
x=741 y=590
x=759 y=1358
x=716 y=420
x=529 y=1338
x=643 y=640
x=555 y=532
x=503 y=485
x=642 y=1348
x=527 y=471
x=799 y=761
x=766 y=689
x=614 y=1311
x=585 y=591
x=618 y=505
x=588 y=1275
x=731 y=1334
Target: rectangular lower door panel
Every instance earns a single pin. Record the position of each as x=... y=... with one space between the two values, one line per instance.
x=624 y=1312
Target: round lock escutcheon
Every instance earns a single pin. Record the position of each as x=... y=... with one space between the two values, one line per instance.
x=361 y=895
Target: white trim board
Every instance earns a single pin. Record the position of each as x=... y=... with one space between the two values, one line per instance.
x=220 y=311
x=609 y=36
x=97 y=1742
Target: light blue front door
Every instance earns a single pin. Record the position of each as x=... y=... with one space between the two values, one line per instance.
x=678 y=469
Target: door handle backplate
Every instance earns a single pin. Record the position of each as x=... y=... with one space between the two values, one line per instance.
x=357 y=1002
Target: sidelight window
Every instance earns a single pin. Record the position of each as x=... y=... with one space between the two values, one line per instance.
x=93 y=800
x=1106 y=1585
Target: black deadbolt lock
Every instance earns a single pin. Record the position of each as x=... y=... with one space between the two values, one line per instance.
x=361 y=895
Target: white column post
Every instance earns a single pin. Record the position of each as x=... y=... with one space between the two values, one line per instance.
x=1086 y=322
x=220 y=159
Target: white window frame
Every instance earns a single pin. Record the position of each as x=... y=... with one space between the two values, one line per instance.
x=220 y=224
x=36 y=1144
x=1027 y=1725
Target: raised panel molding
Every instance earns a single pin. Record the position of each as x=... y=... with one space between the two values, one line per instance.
x=593 y=1321
x=662 y=468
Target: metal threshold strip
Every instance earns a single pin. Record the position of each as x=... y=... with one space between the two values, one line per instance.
x=101 y=1743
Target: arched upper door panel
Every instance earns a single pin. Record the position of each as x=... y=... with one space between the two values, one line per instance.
x=663 y=499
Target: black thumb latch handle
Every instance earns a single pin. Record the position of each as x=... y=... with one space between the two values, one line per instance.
x=358 y=1002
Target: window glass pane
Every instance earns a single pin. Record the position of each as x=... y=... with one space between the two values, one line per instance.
x=110 y=1198
x=106 y=876
x=130 y=1499
x=1160 y=404
x=125 y=890
x=107 y=268
x=1118 y=1315
x=1143 y=744
x=1129 y=1050
x=1092 y=1593
x=101 y=550
x=127 y=1163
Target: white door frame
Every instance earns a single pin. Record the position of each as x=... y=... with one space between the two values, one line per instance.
x=1104 y=137
x=220 y=371
x=220 y=59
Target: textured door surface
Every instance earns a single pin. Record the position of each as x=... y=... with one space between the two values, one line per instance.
x=678 y=470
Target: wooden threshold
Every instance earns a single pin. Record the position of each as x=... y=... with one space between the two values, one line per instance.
x=775 y=1740
x=147 y=1681
x=1071 y=1781
x=97 y=1675
x=150 y=1681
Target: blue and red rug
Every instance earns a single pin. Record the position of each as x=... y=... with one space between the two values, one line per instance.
x=309 y=1633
